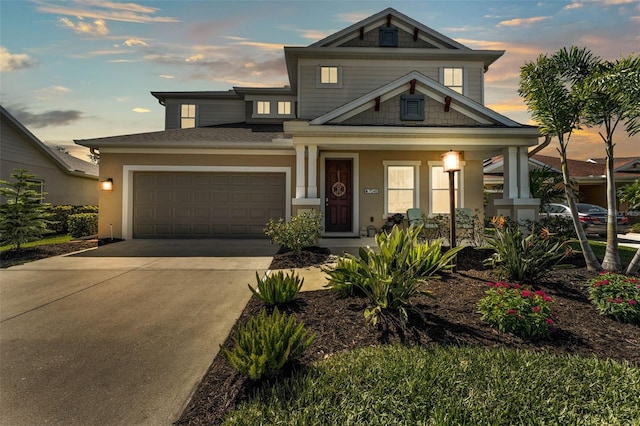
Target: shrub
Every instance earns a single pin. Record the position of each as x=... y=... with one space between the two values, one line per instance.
x=83 y=224
x=60 y=216
x=635 y=228
x=266 y=343
x=616 y=295
x=301 y=231
x=516 y=309
x=393 y=274
x=523 y=258
x=561 y=227
x=277 y=288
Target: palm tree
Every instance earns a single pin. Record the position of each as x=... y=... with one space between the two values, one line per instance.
x=550 y=88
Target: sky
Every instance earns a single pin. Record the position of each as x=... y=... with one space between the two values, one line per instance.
x=83 y=69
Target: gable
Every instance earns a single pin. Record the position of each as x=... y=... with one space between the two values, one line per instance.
x=411 y=33
x=446 y=106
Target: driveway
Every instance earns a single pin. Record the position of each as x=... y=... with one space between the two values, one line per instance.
x=118 y=335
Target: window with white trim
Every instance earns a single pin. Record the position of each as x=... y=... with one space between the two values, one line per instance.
x=401 y=186
x=263 y=107
x=187 y=116
x=439 y=188
x=329 y=76
x=453 y=78
x=284 y=108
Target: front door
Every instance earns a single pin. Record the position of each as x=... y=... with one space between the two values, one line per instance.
x=338 y=195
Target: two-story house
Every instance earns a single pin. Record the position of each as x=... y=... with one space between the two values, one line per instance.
x=358 y=135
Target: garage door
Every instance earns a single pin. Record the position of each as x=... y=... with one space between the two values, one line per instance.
x=205 y=205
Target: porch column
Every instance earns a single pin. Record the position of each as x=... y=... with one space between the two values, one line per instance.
x=312 y=176
x=516 y=202
x=300 y=169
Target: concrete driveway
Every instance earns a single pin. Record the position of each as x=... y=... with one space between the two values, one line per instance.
x=116 y=335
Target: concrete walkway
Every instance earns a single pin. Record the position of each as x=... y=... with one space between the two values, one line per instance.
x=100 y=340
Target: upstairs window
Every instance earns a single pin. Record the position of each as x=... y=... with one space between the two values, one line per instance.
x=263 y=107
x=412 y=107
x=284 y=108
x=329 y=76
x=453 y=79
x=388 y=37
x=187 y=116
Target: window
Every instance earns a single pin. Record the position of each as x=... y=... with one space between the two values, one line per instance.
x=412 y=107
x=284 y=108
x=453 y=79
x=263 y=107
x=388 y=37
x=329 y=76
x=187 y=116
x=401 y=186
x=38 y=187
x=439 y=188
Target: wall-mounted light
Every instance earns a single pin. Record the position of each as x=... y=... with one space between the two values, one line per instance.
x=106 y=185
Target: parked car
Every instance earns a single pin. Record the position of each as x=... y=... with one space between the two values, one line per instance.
x=592 y=217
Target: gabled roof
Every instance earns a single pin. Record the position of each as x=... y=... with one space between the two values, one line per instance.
x=66 y=162
x=441 y=48
x=427 y=86
x=397 y=19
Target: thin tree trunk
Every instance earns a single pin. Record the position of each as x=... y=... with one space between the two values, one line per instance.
x=635 y=264
x=611 y=261
x=589 y=257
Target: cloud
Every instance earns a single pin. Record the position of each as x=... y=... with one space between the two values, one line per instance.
x=52 y=118
x=51 y=92
x=134 y=42
x=141 y=110
x=123 y=99
x=574 y=5
x=352 y=16
x=99 y=27
x=517 y=22
x=167 y=76
x=262 y=45
x=110 y=11
x=194 y=58
x=15 y=61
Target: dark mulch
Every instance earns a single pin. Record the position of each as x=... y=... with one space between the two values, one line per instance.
x=449 y=319
x=17 y=257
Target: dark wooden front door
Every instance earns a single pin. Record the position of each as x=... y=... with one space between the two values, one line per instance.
x=338 y=195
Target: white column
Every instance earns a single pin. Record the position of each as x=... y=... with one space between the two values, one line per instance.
x=300 y=169
x=510 y=172
x=523 y=172
x=312 y=176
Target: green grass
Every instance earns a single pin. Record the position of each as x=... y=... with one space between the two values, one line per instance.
x=449 y=386
x=58 y=239
x=626 y=253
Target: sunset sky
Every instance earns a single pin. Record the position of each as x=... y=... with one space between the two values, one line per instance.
x=83 y=69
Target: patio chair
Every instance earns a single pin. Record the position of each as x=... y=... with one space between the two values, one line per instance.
x=414 y=217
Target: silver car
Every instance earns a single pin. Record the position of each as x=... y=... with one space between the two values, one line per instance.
x=592 y=217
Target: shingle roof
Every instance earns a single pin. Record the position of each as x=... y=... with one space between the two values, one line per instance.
x=74 y=163
x=203 y=137
x=593 y=168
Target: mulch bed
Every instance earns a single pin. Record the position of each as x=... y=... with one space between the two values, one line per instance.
x=16 y=257
x=450 y=318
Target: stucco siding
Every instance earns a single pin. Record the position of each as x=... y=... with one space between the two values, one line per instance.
x=112 y=165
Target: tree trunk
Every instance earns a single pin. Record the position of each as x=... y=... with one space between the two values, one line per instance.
x=635 y=264
x=611 y=261
x=589 y=257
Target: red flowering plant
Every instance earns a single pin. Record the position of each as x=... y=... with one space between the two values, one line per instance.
x=517 y=309
x=616 y=295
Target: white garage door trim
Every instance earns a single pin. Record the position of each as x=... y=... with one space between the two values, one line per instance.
x=127 y=185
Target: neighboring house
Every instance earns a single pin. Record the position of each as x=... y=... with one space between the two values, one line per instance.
x=66 y=180
x=358 y=135
x=589 y=175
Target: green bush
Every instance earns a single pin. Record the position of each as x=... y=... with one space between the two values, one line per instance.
x=83 y=224
x=520 y=258
x=277 y=288
x=301 y=231
x=60 y=216
x=616 y=295
x=561 y=227
x=518 y=310
x=393 y=274
x=266 y=343
x=635 y=228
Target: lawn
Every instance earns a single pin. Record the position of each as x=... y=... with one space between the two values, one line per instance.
x=58 y=239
